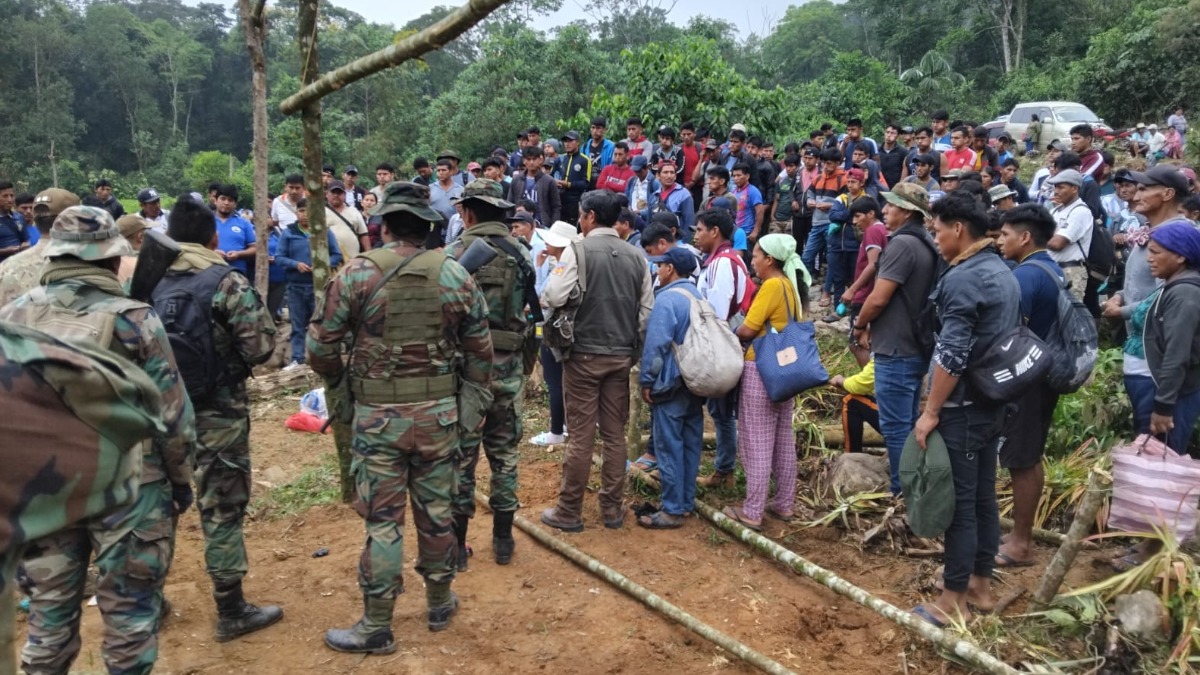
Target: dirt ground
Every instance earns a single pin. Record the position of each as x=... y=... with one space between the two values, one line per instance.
x=541 y=613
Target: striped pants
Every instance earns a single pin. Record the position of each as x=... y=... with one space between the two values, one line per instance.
x=766 y=446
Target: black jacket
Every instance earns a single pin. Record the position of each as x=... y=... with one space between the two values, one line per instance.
x=1172 y=341
x=546 y=196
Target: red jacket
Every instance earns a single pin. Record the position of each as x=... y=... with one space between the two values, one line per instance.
x=614 y=178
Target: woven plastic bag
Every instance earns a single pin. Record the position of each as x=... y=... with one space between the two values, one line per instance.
x=1154 y=487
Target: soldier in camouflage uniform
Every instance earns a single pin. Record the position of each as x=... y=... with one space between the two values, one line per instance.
x=22 y=272
x=243 y=336
x=81 y=301
x=502 y=281
x=421 y=336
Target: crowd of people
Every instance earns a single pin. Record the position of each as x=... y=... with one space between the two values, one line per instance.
x=590 y=256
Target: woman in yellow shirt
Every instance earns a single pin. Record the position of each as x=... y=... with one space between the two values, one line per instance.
x=766 y=440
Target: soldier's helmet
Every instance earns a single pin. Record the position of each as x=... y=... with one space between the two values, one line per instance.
x=410 y=197
x=487 y=190
x=88 y=233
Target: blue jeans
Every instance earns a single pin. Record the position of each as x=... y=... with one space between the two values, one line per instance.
x=301 y=304
x=839 y=273
x=1141 y=390
x=1028 y=147
x=815 y=246
x=898 y=394
x=972 y=437
x=726 y=425
x=679 y=436
x=552 y=371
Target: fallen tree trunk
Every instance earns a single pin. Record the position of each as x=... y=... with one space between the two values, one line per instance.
x=267 y=386
x=836 y=436
x=1098 y=487
x=643 y=595
x=1046 y=536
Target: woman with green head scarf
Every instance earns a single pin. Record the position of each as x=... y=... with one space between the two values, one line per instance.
x=766 y=441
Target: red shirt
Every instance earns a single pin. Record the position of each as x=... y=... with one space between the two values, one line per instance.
x=691 y=157
x=876 y=236
x=959 y=159
x=614 y=178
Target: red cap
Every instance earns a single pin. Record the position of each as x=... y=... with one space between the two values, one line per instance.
x=856 y=174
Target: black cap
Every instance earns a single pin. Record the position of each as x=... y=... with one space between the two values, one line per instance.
x=522 y=217
x=570 y=136
x=328 y=168
x=336 y=185
x=147 y=196
x=1164 y=175
x=1123 y=175
x=924 y=158
x=351 y=169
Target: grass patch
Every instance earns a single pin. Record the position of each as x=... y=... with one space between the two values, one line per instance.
x=315 y=486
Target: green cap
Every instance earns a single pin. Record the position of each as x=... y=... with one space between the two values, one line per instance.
x=411 y=197
x=910 y=197
x=88 y=233
x=928 y=485
x=486 y=190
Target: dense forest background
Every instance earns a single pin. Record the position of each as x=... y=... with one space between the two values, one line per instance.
x=156 y=92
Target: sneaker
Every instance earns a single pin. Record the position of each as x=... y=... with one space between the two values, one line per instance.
x=292 y=366
x=546 y=438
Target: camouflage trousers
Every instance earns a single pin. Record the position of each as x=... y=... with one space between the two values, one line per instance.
x=402 y=450
x=500 y=436
x=222 y=478
x=133 y=550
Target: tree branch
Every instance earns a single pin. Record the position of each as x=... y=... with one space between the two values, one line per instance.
x=260 y=7
x=432 y=38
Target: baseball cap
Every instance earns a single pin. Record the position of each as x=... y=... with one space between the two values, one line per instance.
x=131 y=223
x=328 y=168
x=53 y=201
x=473 y=166
x=522 y=217
x=570 y=136
x=351 y=169
x=924 y=158
x=738 y=127
x=638 y=163
x=998 y=192
x=1164 y=175
x=336 y=185
x=712 y=144
x=485 y=190
x=927 y=485
x=678 y=257
x=906 y=129
x=410 y=197
x=955 y=174
x=910 y=197
x=1070 y=177
x=1123 y=175
x=88 y=233
x=1057 y=145
x=856 y=174
x=560 y=234
x=147 y=196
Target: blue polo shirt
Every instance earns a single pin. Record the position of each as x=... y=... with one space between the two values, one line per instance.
x=13 y=230
x=235 y=234
x=1039 y=294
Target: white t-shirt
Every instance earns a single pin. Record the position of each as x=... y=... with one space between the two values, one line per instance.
x=346 y=235
x=719 y=284
x=1075 y=223
x=1157 y=142
x=283 y=211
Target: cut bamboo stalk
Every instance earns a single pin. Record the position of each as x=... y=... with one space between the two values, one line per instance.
x=1098 y=487
x=961 y=648
x=643 y=595
x=1047 y=536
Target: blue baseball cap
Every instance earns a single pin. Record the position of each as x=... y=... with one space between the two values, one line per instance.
x=638 y=163
x=678 y=257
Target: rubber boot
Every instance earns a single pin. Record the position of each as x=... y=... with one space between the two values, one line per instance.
x=502 y=539
x=443 y=603
x=462 y=552
x=371 y=635
x=235 y=616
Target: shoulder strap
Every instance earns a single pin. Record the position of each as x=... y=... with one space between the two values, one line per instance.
x=387 y=276
x=580 y=263
x=1059 y=282
x=343 y=219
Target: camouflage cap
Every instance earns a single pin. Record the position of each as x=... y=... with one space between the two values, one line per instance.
x=910 y=197
x=486 y=190
x=54 y=201
x=88 y=233
x=404 y=196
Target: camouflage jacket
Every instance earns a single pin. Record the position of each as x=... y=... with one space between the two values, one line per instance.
x=74 y=418
x=343 y=308
x=244 y=336
x=507 y=317
x=139 y=335
x=21 y=273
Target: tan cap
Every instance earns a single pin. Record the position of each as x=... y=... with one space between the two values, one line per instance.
x=131 y=223
x=53 y=201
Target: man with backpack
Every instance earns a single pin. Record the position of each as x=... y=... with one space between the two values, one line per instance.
x=892 y=323
x=82 y=301
x=219 y=329
x=1073 y=229
x=504 y=282
x=725 y=283
x=677 y=417
x=1024 y=235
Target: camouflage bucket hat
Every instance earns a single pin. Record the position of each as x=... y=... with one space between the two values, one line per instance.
x=486 y=190
x=88 y=233
x=910 y=197
x=411 y=197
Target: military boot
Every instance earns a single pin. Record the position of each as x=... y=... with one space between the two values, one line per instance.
x=235 y=616
x=371 y=635
x=443 y=603
x=502 y=539
x=462 y=552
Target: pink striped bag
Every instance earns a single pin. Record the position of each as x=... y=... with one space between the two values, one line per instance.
x=1152 y=485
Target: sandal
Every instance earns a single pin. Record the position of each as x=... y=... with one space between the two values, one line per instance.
x=1126 y=563
x=734 y=513
x=923 y=612
x=645 y=463
x=785 y=516
x=825 y=301
x=660 y=520
x=1006 y=561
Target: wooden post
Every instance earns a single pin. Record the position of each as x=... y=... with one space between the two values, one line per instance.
x=1098 y=486
x=254 y=30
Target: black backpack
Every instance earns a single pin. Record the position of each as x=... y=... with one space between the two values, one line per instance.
x=1073 y=342
x=1101 y=256
x=184 y=303
x=927 y=321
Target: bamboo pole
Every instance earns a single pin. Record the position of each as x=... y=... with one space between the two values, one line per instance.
x=961 y=648
x=254 y=30
x=643 y=595
x=1098 y=487
x=634 y=440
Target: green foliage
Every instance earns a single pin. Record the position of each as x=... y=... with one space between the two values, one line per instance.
x=805 y=41
x=1100 y=409
x=855 y=85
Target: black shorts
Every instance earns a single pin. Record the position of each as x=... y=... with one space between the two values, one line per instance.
x=855 y=309
x=1026 y=426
